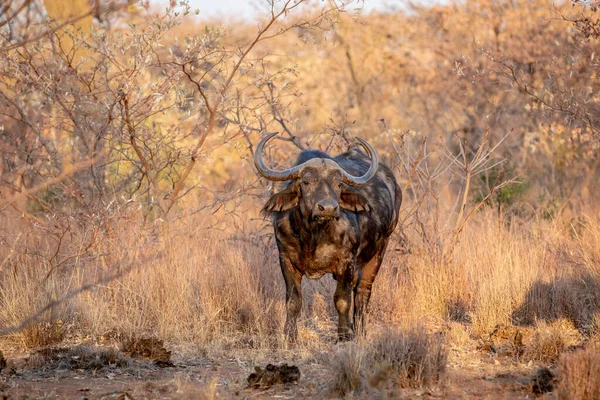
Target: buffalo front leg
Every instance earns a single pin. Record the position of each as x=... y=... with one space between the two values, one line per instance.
x=293 y=297
x=362 y=291
x=343 y=303
x=361 y=300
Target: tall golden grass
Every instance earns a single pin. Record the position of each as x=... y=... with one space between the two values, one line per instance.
x=225 y=287
x=580 y=378
x=501 y=273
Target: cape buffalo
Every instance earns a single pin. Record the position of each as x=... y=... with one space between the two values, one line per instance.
x=334 y=215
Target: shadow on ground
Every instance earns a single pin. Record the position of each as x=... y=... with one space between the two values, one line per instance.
x=576 y=299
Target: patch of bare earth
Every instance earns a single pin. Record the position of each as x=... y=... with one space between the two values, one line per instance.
x=130 y=372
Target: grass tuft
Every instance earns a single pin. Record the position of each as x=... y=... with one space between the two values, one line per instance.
x=580 y=374
x=412 y=358
x=347 y=368
x=546 y=345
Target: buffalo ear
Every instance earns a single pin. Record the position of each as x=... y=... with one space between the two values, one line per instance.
x=282 y=201
x=354 y=201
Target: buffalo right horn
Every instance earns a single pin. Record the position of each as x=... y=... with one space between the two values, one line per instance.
x=271 y=174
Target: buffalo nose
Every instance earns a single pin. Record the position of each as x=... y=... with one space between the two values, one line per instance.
x=327 y=209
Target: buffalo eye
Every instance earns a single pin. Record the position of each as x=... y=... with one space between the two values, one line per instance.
x=305 y=182
x=340 y=185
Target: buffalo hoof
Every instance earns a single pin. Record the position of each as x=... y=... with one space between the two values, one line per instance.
x=291 y=340
x=291 y=334
x=345 y=337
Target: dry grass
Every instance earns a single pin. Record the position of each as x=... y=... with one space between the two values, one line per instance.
x=204 y=292
x=546 y=345
x=457 y=334
x=550 y=340
x=200 y=290
x=500 y=274
x=412 y=358
x=405 y=359
x=347 y=369
x=579 y=377
x=223 y=291
x=79 y=357
x=24 y=291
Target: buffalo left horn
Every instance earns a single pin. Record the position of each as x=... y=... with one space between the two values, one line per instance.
x=358 y=181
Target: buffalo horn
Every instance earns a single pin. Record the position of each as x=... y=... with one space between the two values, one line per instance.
x=271 y=174
x=357 y=181
x=294 y=172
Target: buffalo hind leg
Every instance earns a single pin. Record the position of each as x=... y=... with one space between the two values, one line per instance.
x=362 y=290
x=343 y=304
x=293 y=297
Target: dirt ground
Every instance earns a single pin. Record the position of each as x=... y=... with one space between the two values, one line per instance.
x=472 y=373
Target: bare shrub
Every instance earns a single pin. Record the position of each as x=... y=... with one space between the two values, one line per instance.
x=579 y=377
x=117 y=111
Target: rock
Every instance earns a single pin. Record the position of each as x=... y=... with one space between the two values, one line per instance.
x=272 y=375
x=543 y=381
x=149 y=348
x=164 y=364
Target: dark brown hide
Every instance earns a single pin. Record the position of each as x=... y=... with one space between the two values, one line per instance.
x=322 y=225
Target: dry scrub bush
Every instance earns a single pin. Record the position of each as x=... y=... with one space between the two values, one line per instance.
x=205 y=290
x=407 y=359
x=500 y=274
x=579 y=377
x=100 y=119
x=189 y=285
x=546 y=345
x=79 y=357
x=136 y=101
x=347 y=369
x=412 y=358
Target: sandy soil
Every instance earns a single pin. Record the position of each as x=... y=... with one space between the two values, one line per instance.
x=471 y=374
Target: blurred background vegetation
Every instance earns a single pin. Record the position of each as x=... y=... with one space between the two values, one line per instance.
x=126 y=139
x=149 y=107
